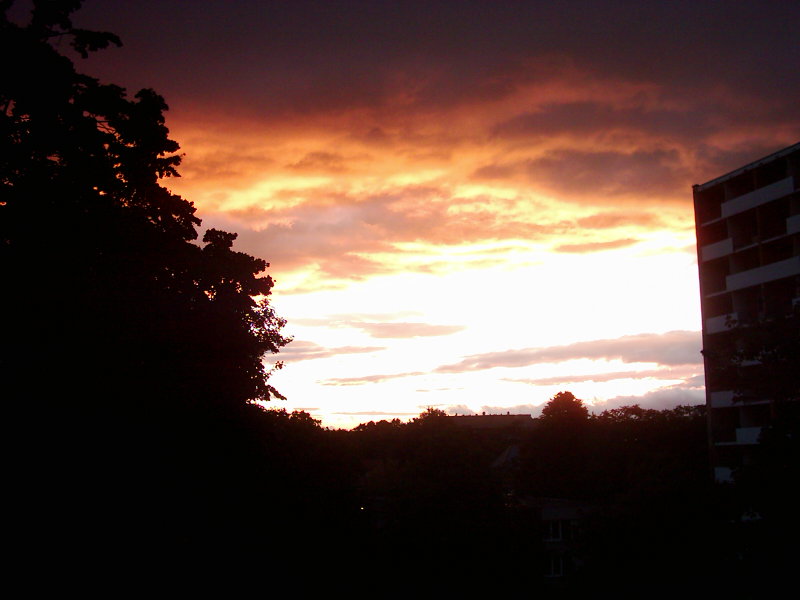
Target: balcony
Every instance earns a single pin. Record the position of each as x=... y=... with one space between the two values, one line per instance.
x=742 y=436
x=793 y=224
x=722 y=399
x=748 y=435
x=768 y=193
x=716 y=250
x=728 y=399
x=720 y=323
x=759 y=275
x=723 y=474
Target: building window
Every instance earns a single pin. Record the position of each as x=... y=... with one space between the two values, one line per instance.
x=553 y=531
x=554 y=565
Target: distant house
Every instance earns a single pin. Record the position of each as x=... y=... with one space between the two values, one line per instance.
x=561 y=523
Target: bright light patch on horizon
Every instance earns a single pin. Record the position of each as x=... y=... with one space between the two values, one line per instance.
x=548 y=300
x=411 y=266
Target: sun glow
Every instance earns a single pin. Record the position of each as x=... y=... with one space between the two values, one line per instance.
x=406 y=239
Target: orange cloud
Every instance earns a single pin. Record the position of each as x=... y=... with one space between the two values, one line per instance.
x=611 y=220
x=595 y=246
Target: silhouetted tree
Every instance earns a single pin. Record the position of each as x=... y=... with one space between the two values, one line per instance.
x=130 y=352
x=98 y=254
x=564 y=408
x=430 y=416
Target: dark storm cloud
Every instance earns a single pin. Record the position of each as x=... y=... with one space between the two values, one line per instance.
x=583 y=118
x=323 y=56
x=587 y=174
x=672 y=348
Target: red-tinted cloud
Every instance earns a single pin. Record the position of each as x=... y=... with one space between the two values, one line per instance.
x=366 y=379
x=380 y=326
x=686 y=372
x=306 y=56
x=298 y=350
x=672 y=348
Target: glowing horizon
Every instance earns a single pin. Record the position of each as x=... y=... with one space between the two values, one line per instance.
x=472 y=220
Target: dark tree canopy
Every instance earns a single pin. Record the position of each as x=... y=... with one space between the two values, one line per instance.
x=101 y=268
x=564 y=407
x=430 y=416
x=131 y=353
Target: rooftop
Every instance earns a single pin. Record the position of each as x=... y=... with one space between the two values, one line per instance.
x=747 y=167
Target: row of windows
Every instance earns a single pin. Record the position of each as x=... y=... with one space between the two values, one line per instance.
x=714 y=273
x=770 y=300
x=708 y=202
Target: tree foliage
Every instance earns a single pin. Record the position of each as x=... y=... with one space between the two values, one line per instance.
x=102 y=271
x=430 y=417
x=131 y=351
x=564 y=408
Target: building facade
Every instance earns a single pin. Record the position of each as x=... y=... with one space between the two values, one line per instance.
x=748 y=251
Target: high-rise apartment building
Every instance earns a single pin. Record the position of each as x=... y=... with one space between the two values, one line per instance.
x=748 y=250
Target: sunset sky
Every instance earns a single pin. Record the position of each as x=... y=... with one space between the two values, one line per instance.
x=466 y=205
